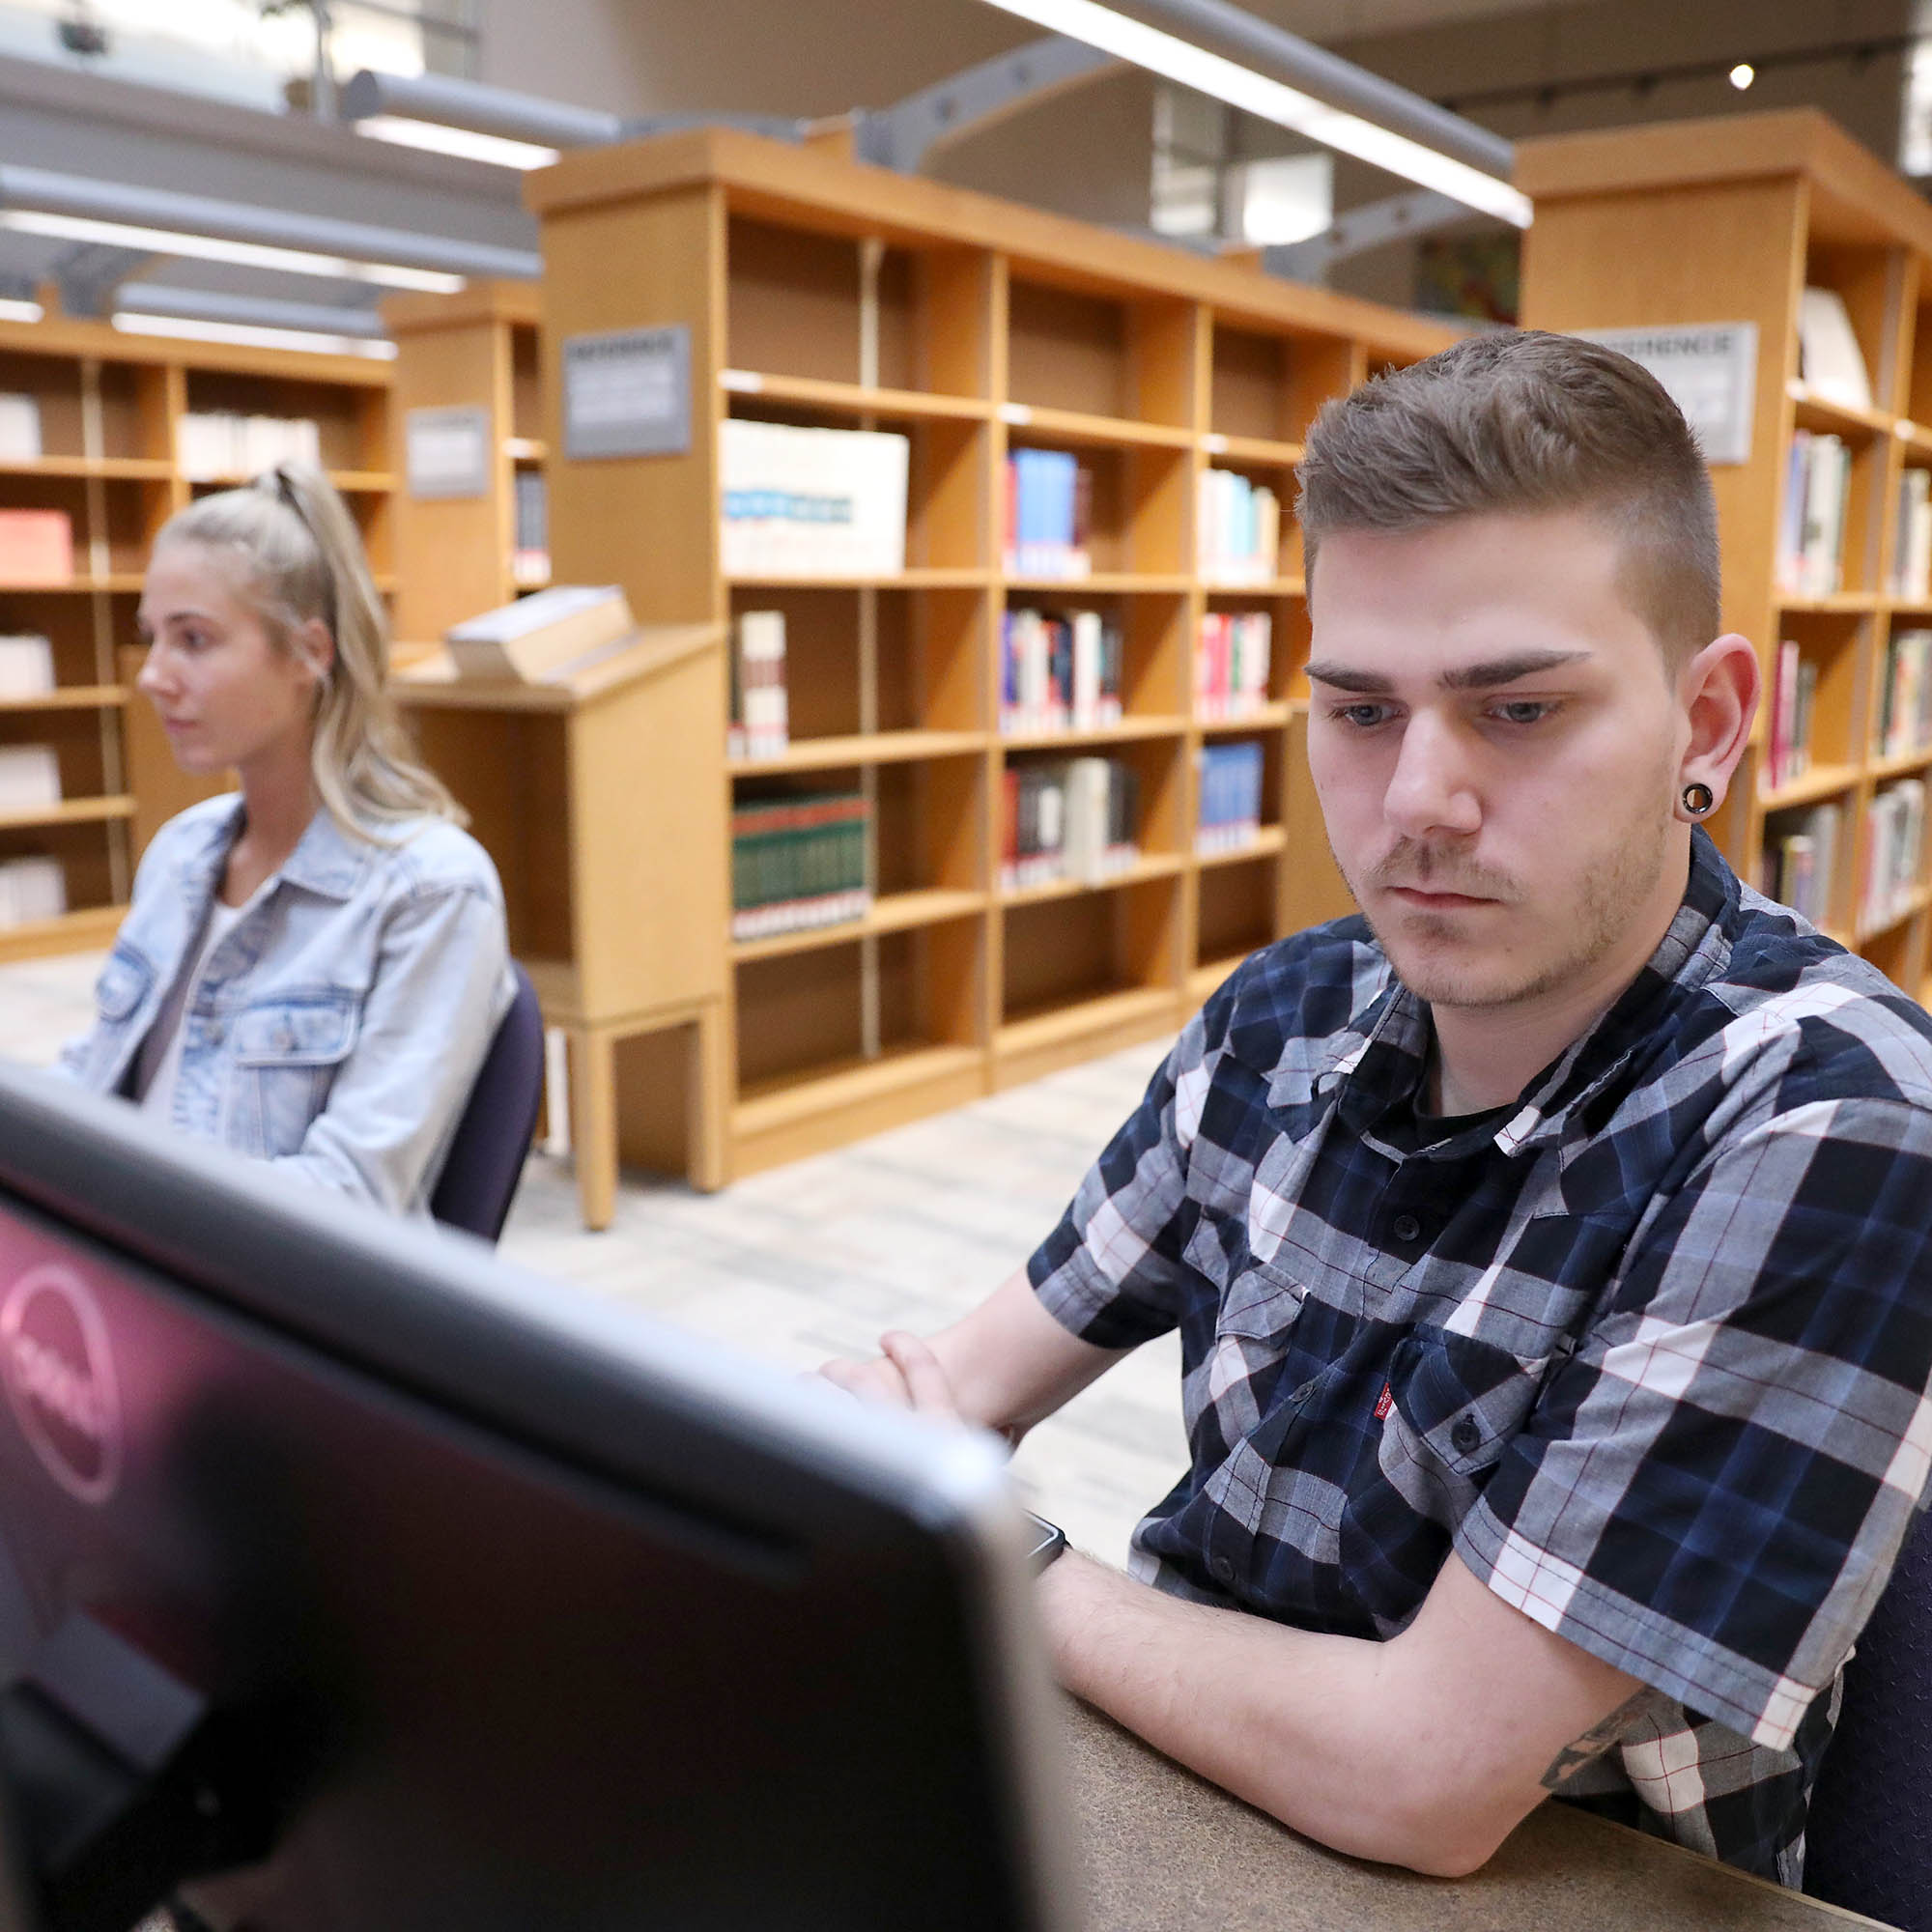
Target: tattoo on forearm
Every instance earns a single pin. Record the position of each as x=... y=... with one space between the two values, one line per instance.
x=1594 y=1742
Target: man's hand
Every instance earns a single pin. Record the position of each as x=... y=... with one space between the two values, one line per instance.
x=906 y=1375
x=1005 y=1366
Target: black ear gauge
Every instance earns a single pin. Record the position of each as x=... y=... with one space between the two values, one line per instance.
x=1698 y=799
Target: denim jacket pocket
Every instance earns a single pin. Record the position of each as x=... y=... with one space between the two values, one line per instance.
x=122 y=985
x=287 y=1052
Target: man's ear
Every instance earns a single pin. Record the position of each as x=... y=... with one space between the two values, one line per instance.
x=1718 y=689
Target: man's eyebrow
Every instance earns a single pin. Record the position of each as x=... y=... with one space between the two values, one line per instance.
x=1470 y=677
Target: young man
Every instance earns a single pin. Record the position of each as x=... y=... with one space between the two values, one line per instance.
x=1551 y=1246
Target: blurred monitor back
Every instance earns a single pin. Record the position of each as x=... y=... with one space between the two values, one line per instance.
x=351 y=1582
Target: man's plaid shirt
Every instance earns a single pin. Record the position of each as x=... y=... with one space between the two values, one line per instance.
x=1651 y=1355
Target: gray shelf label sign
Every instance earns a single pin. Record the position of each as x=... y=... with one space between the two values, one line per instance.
x=1709 y=369
x=447 y=452
x=628 y=393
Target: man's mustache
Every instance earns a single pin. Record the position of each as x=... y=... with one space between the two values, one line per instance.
x=1415 y=867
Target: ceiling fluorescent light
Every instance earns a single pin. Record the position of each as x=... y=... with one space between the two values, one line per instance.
x=130 y=324
x=492 y=149
x=12 y=310
x=1210 y=74
x=218 y=249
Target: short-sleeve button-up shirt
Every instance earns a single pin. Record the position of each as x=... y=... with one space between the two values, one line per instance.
x=1649 y=1350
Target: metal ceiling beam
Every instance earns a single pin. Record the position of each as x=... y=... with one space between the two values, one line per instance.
x=39 y=191
x=901 y=137
x=249 y=311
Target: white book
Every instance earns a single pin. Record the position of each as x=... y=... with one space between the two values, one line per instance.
x=31 y=890
x=1918 y=547
x=20 y=428
x=26 y=667
x=1820 y=573
x=761 y=683
x=1829 y=359
x=1088 y=628
x=1088 y=798
x=29 y=777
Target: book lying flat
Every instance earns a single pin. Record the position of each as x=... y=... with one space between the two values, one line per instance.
x=535 y=637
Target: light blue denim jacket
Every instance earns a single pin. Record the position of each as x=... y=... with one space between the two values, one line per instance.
x=340 y=1025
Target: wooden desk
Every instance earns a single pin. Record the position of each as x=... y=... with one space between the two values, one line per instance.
x=1165 y=1851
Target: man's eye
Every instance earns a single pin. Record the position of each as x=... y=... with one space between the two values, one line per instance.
x=1363 y=717
x=1525 y=710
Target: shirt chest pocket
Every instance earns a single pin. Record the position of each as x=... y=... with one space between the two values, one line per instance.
x=1451 y=1407
x=123 y=985
x=288 y=1051
x=1252 y=1335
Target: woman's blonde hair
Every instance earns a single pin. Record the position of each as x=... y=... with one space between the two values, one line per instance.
x=300 y=559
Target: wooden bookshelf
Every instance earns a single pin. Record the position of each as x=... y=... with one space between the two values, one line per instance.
x=1729 y=221
x=109 y=405
x=477 y=349
x=824 y=293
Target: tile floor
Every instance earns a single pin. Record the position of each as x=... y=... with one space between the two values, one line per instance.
x=906 y=1230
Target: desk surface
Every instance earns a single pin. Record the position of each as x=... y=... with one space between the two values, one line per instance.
x=1164 y=1851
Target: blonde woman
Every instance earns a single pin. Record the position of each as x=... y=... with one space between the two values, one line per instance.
x=312 y=969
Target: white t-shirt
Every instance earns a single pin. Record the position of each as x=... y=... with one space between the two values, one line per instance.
x=161 y=1051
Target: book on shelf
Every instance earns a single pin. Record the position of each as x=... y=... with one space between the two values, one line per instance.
x=31 y=890
x=811 y=502
x=1829 y=361
x=1894 y=849
x=1794 y=693
x=211 y=445
x=1048 y=508
x=29 y=779
x=537 y=637
x=530 y=554
x=1811 y=531
x=20 y=429
x=799 y=863
x=1231 y=664
x=1905 y=695
x=1058 y=671
x=1798 y=862
x=1238 y=529
x=1076 y=818
x=759 y=725
x=1911 y=538
x=36 y=547
x=1230 y=814
x=26 y=666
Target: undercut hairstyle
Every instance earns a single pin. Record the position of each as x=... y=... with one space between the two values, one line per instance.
x=1519 y=423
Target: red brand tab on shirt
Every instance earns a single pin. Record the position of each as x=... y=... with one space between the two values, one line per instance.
x=1385 y=1403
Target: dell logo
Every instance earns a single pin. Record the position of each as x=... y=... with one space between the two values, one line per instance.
x=60 y=1380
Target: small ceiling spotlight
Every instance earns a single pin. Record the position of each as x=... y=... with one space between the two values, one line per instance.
x=1743 y=74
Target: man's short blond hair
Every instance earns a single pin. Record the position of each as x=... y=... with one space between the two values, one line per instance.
x=1522 y=422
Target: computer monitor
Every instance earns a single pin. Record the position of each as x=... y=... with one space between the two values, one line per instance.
x=352 y=1580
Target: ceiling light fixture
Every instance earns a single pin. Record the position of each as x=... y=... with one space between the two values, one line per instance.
x=1207 y=72
x=218 y=249
x=1743 y=74
x=13 y=310
x=495 y=150
x=132 y=324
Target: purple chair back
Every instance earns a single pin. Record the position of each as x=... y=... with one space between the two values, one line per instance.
x=485 y=1158
x=1869 y=1844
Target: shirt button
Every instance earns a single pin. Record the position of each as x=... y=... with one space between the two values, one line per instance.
x=1406 y=1227
x=1302 y=1394
x=1223 y=1571
x=1466 y=1435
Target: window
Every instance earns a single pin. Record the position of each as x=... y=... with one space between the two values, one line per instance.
x=234 y=47
x=1209 y=181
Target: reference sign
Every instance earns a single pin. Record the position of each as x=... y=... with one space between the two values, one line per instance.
x=628 y=393
x=1709 y=369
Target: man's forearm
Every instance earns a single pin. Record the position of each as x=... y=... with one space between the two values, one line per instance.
x=1010 y=1363
x=1387 y=1752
